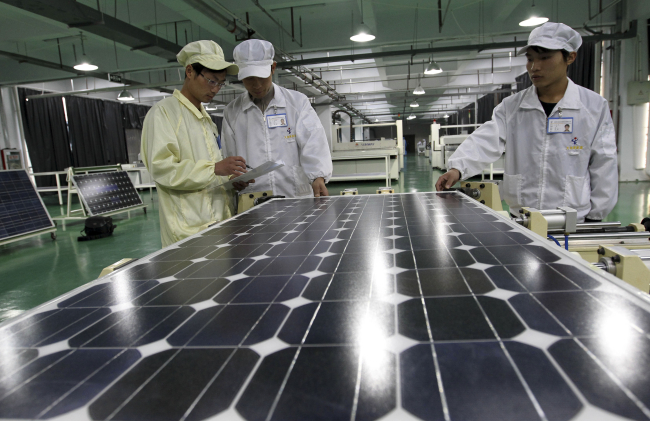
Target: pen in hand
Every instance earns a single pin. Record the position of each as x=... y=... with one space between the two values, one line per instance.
x=249 y=167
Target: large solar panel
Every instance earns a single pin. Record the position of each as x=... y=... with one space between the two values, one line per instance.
x=106 y=192
x=21 y=208
x=402 y=307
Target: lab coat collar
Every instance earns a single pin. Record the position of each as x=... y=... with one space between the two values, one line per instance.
x=183 y=100
x=278 y=99
x=570 y=100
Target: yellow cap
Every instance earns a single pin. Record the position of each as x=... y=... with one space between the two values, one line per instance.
x=208 y=53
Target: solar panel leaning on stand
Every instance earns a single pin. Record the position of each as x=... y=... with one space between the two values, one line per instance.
x=409 y=306
x=22 y=212
x=106 y=192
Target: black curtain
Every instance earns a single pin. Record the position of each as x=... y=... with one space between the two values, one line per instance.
x=581 y=71
x=45 y=133
x=96 y=132
x=523 y=82
x=133 y=115
x=488 y=103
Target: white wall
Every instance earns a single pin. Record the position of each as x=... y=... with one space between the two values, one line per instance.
x=325 y=115
x=10 y=135
x=631 y=123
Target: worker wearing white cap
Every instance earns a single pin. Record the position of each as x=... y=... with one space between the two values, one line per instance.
x=180 y=148
x=558 y=137
x=271 y=123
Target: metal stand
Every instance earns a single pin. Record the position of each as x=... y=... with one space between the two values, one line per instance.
x=80 y=214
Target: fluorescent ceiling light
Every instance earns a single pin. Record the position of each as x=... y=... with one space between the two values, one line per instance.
x=418 y=90
x=411 y=117
x=433 y=68
x=534 y=21
x=362 y=34
x=125 y=96
x=85 y=66
x=414 y=104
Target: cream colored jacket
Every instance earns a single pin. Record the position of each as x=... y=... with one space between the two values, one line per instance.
x=180 y=149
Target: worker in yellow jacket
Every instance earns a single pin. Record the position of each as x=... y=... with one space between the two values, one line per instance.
x=180 y=148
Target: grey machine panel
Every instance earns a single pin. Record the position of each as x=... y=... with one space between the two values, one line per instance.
x=412 y=306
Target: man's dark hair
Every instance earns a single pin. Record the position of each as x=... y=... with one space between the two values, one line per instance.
x=198 y=68
x=540 y=50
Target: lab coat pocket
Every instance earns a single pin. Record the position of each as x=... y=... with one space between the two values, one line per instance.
x=576 y=192
x=511 y=189
x=194 y=209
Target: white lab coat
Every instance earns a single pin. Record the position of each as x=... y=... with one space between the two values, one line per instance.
x=302 y=145
x=544 y=171
x=180 y=150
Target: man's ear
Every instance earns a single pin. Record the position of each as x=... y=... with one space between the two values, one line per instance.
x=273 y=66
x=571 y=58
x=189 y=70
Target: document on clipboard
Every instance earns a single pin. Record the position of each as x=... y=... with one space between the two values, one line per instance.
x=265 y=168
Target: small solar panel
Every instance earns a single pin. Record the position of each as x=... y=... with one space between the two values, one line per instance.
x=422 y=306
x=21 y=209
x=106 y=192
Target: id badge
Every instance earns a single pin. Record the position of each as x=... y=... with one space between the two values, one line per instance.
x=560 y=125
x=276 y=120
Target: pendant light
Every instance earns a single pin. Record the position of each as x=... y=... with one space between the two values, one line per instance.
x=414 y=104
x=533 y=20
x=362 y=33
x=418 y=90
x=411 y=117
x=83 y=63
x=433 y=68
x=125 y=96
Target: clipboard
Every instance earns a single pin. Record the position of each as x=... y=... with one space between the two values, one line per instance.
x=265 y=168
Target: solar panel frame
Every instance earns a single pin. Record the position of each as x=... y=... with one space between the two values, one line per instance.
x=45 y=217
x=103 y=202
x=501 y=353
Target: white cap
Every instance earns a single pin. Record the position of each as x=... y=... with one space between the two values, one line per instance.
x=254 y=58
x=208 y=53
x=553 y=36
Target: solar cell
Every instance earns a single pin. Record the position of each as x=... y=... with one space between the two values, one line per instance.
x=412 y=306
x=21 y=208
x=106 y=192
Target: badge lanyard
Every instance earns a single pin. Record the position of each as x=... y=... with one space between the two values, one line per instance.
x=276 y=120
x=559 y=124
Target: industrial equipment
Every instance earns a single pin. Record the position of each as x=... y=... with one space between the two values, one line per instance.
x=349 y=192
x=623 y=251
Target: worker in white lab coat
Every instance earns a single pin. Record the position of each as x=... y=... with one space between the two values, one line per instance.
x=179 y=148
x=271 y=123
x=559 y=137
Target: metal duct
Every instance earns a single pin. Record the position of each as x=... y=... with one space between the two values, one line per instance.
x=77 y=15
x=631 y=33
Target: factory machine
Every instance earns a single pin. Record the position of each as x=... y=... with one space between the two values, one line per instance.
x=442 y=147
x=371 y=159
x=623 y=251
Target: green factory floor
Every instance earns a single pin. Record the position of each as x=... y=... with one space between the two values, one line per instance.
x=38 y=269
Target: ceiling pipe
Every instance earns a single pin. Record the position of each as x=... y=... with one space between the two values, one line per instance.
x=77 y=15
x=51 y=65
x=421 y=97
x=306 y=75
x=631 y=33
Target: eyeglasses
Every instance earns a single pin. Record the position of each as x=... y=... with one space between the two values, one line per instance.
x=213 y=83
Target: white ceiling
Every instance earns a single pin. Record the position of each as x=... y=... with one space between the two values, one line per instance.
x=326 y=28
